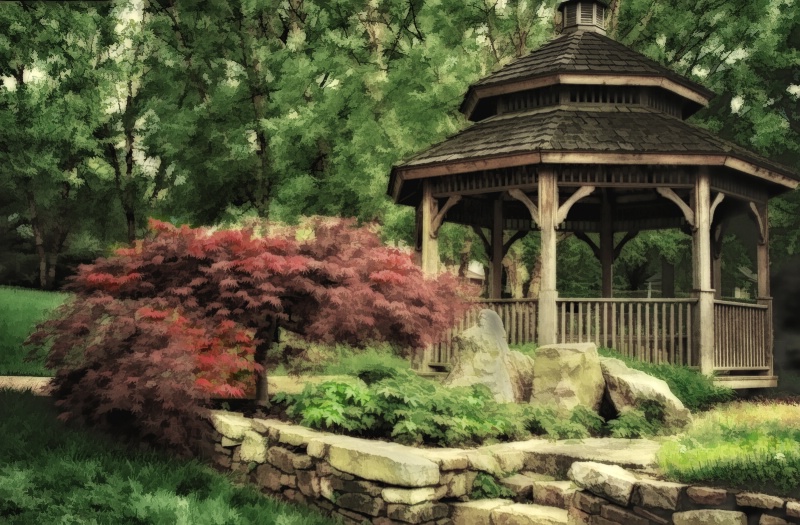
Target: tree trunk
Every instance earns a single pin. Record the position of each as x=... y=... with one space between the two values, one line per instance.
x=130 y=219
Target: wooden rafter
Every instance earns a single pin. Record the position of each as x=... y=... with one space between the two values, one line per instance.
x=762 y=232
x=482 y=236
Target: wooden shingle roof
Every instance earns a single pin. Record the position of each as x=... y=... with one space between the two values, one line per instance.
x=579 y=53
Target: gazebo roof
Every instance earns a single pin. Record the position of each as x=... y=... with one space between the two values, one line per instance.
x=565 y=134
x=580 y=57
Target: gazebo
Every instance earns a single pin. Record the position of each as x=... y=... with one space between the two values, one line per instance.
x=585 y=135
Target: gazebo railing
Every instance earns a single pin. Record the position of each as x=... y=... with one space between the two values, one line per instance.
x=653 y=330
x=741 y=336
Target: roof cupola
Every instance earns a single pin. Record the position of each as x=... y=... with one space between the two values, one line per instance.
x=583 y=15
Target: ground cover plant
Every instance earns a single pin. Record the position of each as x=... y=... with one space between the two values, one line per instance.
x=51 y=472
x=20 y=310
x=744 y=445
x=188 y=313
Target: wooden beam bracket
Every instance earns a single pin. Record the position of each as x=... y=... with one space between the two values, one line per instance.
x=760 y=222
x=717 y=200
x=563 y=210
x=514 y=238
x=486 y=244
x=625 y=240
x=688 y=214
x=588 y=240
x=524 y=199
x=437 y=221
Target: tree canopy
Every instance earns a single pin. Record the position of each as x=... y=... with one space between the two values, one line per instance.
x=209 y=113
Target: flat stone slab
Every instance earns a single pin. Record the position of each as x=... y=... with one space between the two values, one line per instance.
x=504 y=512
x=394 y=465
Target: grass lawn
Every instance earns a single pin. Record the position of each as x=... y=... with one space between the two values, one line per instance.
x=20 y=310
x=51 y=473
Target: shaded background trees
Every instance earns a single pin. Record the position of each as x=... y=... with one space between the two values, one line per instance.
x=114 y=112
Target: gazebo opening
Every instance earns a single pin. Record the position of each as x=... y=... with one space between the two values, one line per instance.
x=585 y=135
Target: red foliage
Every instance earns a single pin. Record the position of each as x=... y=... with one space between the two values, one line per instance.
x=160 y=327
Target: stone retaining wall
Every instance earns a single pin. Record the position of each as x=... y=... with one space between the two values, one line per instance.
x=613 y=496
x=384 y=483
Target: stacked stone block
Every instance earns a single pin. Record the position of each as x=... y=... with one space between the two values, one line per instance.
x=613 y=496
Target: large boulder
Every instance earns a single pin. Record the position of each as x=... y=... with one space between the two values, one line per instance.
x=482 y=357
x=628 y=388
x=568 y=375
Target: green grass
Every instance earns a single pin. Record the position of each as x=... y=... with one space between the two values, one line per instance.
x=742 y=445
x=51 y=473
x=20 y=310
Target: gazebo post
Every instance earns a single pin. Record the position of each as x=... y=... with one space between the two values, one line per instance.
x=430 y=244
x=496 y=283
x=606 y=245
x=701 y=262
x=762 y=261
x=548 y=293
x=716 y=261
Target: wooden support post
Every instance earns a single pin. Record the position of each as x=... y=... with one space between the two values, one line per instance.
x=606 y=245
x=716 y=260
x=762 y=260
x=701 y=271
x=548 y=215
x=496 y=283
x=430 y=245
x=667 y=278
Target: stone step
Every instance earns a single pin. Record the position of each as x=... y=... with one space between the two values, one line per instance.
x=489 y=511
x=553 y=493
x=522 y=485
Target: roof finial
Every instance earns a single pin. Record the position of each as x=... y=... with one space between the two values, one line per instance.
x=584 y=15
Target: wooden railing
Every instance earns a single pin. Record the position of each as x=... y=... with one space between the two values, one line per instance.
x=741 y=335
x=519 y=320
x=654 y=330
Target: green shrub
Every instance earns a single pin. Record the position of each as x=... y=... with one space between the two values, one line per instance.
x=528 y=349
x=695 y=390
x=408 y=409
x=632 y=424
x=487 y=486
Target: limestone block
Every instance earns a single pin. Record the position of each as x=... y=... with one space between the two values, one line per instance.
x=268 y=477
x=766 y=519
x=458 y=484
x=520 y=485
x=302 y=462
x=793 y=509
x=475 y=512
x=575 y=516
x=419 y=513
x=228 y=442
x=230 y=425
x=609 y=481
x=761 y=501
x=363 y=503
x=659 y=494
x=391 y=465
x=358 y=486
x=588 y=502
x=528 y=514
x=447 y=458
x=553 y=493
x=282 y=458
x=568 y=375
x=408 y=496
x=710 y=517
x=707 y=495
x=621 y=515
x=627 y=388
x=308 y=483
x=254 y=447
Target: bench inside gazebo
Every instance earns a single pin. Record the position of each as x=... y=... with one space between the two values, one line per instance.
x=587 y=136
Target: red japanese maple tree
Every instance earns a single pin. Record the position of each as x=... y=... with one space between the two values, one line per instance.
x=189 y=313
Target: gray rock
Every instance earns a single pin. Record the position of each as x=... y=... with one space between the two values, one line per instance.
x=710 y=517
x=483 y=358
x=608 y=481
x=627 y=388
x=568 y=375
